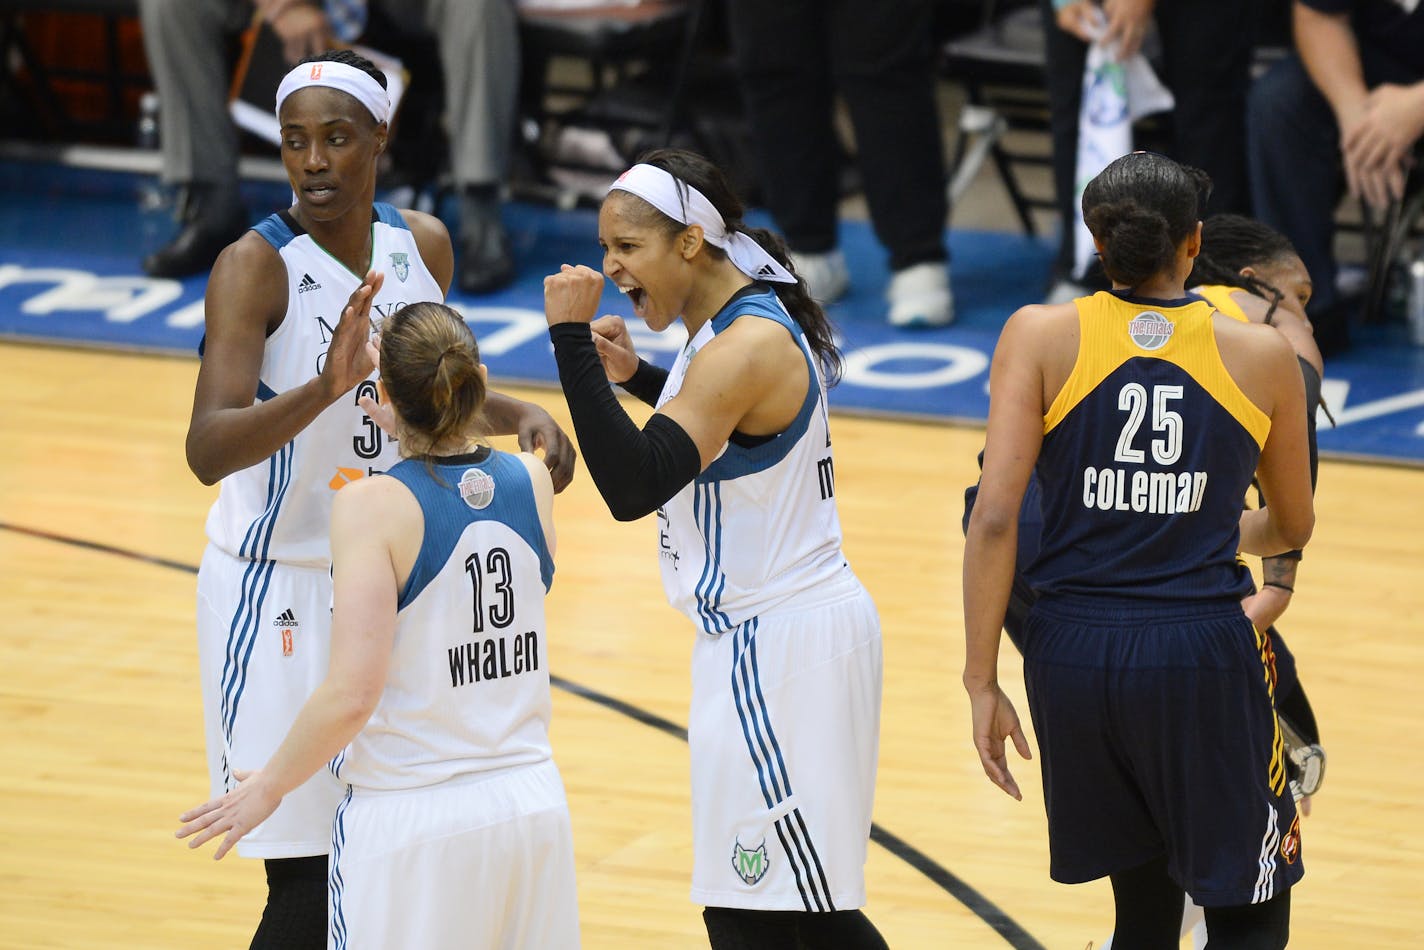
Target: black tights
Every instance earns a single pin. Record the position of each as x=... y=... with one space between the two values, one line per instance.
x=295 y=915
x=1149 y=915
x=732 y=929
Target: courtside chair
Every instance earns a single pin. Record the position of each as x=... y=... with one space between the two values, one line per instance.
x=1001 y=66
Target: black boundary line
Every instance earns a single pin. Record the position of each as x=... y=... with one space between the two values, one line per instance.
x=985 y=909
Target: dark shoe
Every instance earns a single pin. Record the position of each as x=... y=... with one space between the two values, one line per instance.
x=486 y=261
x=209 y=220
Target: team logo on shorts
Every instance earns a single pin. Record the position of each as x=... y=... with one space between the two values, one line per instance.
x=1150 y=330
x=1290 y=844
x=477 y=488
x=750 y=866
x=400 y=263
x=287 y=622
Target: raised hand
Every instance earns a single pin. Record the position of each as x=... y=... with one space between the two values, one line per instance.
x=615 y=348
x=380 y=412
x=538 y=432
x=347 y=359
x=571 y=295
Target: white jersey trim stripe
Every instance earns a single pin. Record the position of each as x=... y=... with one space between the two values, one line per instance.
x=1270 y=842
x=242 y=635
x=335 y=885
x=751 y=705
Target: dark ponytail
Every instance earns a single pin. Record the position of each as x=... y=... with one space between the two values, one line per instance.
x=1140 y=208
x=430 y=366
x=692 y=169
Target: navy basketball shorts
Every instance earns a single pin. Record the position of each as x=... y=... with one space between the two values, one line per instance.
x=1158 y=736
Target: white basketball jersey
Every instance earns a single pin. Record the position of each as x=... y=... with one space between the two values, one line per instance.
x=468 y=686
x=280 y=509
x=760 y=524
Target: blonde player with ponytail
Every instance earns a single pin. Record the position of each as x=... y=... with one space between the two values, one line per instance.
x=453 y=831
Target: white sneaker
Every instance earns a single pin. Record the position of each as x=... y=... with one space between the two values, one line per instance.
x=826 y=275
x=919 y=296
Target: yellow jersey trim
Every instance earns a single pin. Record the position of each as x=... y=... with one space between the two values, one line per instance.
x=1109 y=331
x=1219 y=296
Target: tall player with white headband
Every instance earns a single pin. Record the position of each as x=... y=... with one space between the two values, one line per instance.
x=283 y=417
x=737 y=463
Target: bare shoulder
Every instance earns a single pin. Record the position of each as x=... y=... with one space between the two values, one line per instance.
x=1253 y=340
x=432 y=239
x=1036 y=324
x=248 y=282
x=425 y=227
x=539 y=475
x=373 y=501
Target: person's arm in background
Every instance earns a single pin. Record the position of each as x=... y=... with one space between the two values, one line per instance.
x=1126 y=21
x=301 y=25
x=1378 y=128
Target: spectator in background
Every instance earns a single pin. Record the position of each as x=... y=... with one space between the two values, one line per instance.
x=1347 y=107
x=1204 y=63
x=793 y=57
x=186 y=42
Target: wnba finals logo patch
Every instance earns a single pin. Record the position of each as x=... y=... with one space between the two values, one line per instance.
x=400 y=263
x=477 y=488
x=751 y=866
x=1150 y=330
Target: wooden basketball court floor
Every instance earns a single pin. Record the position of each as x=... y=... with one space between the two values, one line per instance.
x=101 y=526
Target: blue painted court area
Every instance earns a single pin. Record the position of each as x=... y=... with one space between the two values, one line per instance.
x=71 y=240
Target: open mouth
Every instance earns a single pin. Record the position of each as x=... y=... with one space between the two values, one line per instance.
x=637 y=295
x=319 y=192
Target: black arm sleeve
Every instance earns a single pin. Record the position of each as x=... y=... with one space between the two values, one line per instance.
x=647 y=383
x=636 y=471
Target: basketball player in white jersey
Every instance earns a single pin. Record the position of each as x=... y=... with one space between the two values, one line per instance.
x=784 y=724
x=454 y=830
x=277 y=418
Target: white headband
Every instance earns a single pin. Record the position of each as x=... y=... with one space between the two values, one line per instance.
x=356 y=83
x=667 y=193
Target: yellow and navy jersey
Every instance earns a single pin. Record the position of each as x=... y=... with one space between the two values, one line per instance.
x=1147 y=452
x=1219 y=296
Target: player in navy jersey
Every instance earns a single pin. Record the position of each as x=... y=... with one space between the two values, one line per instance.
x=1248 y=272
x=1144 y=413
x=737 y=463
x=453 y=831
x=280 y=418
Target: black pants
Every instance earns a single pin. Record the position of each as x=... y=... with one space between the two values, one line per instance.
x=1207 y=68
x=793 y=57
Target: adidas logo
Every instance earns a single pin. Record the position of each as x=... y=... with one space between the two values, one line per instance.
x=307 y=284
x=285 y=619
x=766 y=270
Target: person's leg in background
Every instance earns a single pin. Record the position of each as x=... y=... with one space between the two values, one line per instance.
x=883 y=61
x=1296 y=180
x=1066 y=56
x=186 y=45
x=479 y=50
x=781 y=54
x=1208 y=70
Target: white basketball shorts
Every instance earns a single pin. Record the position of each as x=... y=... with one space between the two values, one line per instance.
x=784 y=734
x=481 y=861
x=264 y=636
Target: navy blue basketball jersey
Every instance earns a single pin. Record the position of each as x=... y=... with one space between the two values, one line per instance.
x=1147 y=453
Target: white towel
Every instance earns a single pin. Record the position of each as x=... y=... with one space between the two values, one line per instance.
x=1115 y=94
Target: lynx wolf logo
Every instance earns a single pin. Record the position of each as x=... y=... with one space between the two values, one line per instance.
x=400 y=261
x=750 y=866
